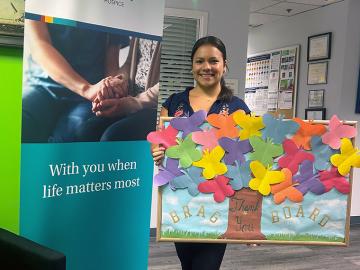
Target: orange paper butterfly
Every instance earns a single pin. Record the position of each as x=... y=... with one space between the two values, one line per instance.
x=225 y=124
x=307 y=129
x=286 y=189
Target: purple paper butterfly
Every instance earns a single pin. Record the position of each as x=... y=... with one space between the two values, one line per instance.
x=235 y=150
x=307 y=180
x=190 y=124
x=167 y=173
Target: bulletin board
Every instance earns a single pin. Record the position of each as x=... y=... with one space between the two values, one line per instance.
x=233 y=193
x=272 y=80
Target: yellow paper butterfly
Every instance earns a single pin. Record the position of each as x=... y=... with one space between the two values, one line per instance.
x=264 y=178
x=349 y=156
x=250 y=125
x=211 y=163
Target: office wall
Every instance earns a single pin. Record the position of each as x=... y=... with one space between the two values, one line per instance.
x=340 y=92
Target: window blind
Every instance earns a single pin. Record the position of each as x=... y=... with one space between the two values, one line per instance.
x=179 y=36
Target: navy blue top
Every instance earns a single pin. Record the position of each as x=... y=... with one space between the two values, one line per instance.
x=84 y=49
x=179 y=105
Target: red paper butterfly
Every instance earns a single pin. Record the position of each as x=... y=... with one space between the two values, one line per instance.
x=332 y=179
x=293 y=157
x=219 y=186
x=165 y=137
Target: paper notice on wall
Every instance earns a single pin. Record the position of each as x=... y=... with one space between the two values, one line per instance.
x=272 y=101
x=285 y=100
x=274 y=81
x=275 y=60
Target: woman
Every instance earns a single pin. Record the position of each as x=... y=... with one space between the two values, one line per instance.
x=210 y=94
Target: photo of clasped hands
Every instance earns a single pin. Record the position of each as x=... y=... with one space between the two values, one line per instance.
x=109 y=94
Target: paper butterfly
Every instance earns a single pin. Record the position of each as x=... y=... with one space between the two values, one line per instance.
x=207 y=138
x=167 y=173
x=305 y=132
x=264 y=151
x=211 y=162
x=190 y=180
x=332 y=179
x=264 y=178
x=337 y=131
x=348 y=157
x=186 y=151
x=219 y=186
x=240 y=175
x=277 y=129
x=189 y=124
x=166 y=137
x=226 y=127
x=322 y=153
x=250 y=125
x=293 y=156
x=308 y=181
x=286 y=189
x=235 y=149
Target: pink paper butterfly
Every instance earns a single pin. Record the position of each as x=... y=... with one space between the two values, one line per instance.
x=207 y=138
x=332 y=179
x=219 y=186
x=165 y=137
x=337 y=131
x=293 y=157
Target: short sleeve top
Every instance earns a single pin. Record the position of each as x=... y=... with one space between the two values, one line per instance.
x=178 y=105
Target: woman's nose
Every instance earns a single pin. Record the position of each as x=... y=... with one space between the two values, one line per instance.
x=206 y=65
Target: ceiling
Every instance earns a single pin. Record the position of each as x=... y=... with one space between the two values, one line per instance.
x=265 y=11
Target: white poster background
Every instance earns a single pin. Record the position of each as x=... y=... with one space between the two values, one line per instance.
x=104 y=12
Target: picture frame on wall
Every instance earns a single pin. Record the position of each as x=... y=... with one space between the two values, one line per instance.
x=316 y=98
x=319 y=47
x=317 y=73
x=12 y=15
x=315 y=114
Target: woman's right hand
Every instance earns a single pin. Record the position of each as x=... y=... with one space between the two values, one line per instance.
x=158 y=153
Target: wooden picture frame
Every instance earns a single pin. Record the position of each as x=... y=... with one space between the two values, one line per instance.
x=319 y=47
x=177 y=216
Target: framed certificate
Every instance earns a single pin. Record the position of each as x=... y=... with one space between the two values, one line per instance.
x=12 y=22
x=316 y=98
x=319 y=47
x=315 y=114
x=317 y=73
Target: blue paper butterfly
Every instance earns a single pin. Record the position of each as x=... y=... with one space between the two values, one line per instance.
x=240 y=175
x=322 y=153
x=277 y=128
x=190 y=180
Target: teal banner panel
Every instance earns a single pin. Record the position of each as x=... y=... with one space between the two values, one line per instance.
x=90 y=201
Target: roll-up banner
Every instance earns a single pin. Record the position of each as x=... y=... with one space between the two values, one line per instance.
x=91 y=77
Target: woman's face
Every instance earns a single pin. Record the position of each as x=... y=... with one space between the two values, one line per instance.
x=208 y=66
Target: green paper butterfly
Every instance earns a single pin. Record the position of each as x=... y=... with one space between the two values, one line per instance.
x=185 y=151
x=264 y=151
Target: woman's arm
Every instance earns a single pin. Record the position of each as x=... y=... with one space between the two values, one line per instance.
x=51 y=60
